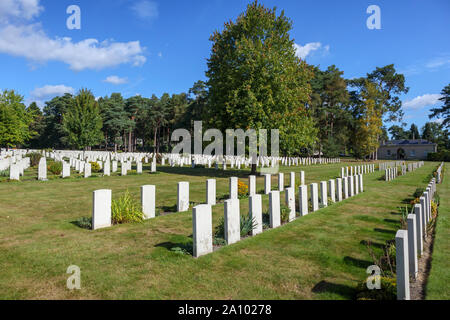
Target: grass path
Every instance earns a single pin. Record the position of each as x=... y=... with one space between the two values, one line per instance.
x=320 y=256
x=438 y=287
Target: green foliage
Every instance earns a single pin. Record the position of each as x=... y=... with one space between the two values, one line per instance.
x=388 y=290
x=84 y=222
x=82 y=123
x=247 y=225
x=418 y=193
x=34 y=158
x=256 y=80
x=284 y=213
x=95 y=167
x=185 y=248
x=443 y=112
x=126 y=209
x=54 y=167
x=439 y=156
x=15 y=120
x=4 y=173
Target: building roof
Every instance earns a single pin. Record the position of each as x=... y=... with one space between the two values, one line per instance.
x=407 y=142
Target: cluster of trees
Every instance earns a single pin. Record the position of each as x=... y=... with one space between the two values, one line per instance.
x=255 y=81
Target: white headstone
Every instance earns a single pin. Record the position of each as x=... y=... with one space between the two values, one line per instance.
x=233 y=188
x=202 y=230
x=42 y=170
x=314 y=196
x=148 y=200
x=251 y=185
x=323 y=193
x=290 y=202
x=412 y=246
x=274 y=209
x=402 y=265
x=303 y=199
x=255 y=210
x=183 y=196
x=232 y=221
x=211 y=192
x=101 y=209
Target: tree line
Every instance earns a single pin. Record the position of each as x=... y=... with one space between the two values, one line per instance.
x=255 y=80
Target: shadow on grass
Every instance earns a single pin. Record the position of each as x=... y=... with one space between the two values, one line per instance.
x=373 y=244
x=168 y=209
x=201 y=172
x=341 y=289
x=184 y=248
x=357 y=262
x=392 y=221
x=393 y=232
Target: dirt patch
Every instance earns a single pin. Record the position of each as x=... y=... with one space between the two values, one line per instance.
x=417 y=286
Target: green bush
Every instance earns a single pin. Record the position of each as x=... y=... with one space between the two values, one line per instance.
x=4 y=173
x=439 y=156
x=388 y=290
x=284 y=213
x=418 y=193
x=247 y=224
x=95 y=167
x=55 y=167
x=126 y=209
x=34 y=158
x=84 y=222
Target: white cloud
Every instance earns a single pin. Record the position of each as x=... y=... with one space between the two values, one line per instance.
x=31 y=42
x=145 y=9
x=303 y=51
x=51 y=91
x=19 y=9
x=419 y=102
x=438 y=62
x=115 y=80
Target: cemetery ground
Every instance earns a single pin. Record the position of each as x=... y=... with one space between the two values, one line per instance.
x=319 y=256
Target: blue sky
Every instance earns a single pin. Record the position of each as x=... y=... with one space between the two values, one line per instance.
x=151 y=47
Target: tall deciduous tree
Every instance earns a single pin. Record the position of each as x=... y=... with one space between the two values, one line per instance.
x=15 y=120
x=368 y=125
x=255 y=78
x=83 y=122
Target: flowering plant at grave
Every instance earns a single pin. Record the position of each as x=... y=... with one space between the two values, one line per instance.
x=433 y=209
x=415 y=201
x=95 y=167
x=242 y=189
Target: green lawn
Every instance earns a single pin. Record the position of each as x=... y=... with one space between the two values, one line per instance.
x=438 y=287
x=320 y=256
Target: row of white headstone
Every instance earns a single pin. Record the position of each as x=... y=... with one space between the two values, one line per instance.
x=439 y=173
x=202 y=214
x=101 y=206
x=392 y=164
x=409 y=243
x=17 y=168
x=352 y=170
x=392 y=173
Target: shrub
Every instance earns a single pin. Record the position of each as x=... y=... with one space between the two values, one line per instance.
x=34 y=158
x=84 y=222
x=4 y=173
x=434 y=209
x=418 y=192
x=284 y=213
x=437 y=199
x=242 y=189
x=247 y=224
x=439 y=156
x=126 y=209
x=388 y=290
x=55 y=167
x=95 y=167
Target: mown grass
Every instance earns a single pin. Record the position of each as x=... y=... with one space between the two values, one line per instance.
x=320 y=256
x=437 y=286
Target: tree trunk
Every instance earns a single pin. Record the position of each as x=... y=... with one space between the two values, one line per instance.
x=130 y=148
